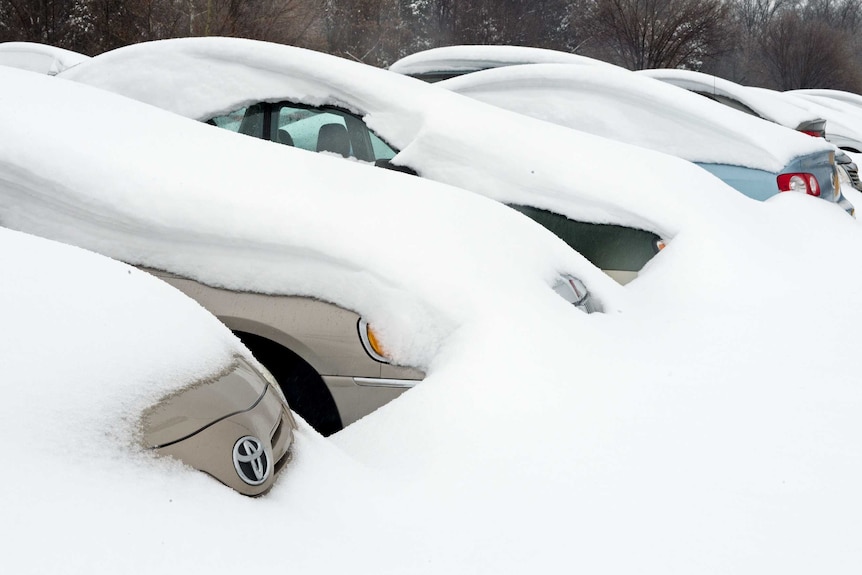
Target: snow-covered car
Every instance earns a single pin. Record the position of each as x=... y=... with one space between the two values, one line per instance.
x=758 y=158
x=843 y=129
x=843 y=118
x=762 y=103
x=741 y=98
x=819 y=95
x=340 y=107
x=299 y=254
x=41 y=58
x=708 y=423
x=445 y=62
x=86 y=337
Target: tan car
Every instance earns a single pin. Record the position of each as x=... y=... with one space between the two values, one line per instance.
x=323 y=356
x=236 y=427
x=217 y=410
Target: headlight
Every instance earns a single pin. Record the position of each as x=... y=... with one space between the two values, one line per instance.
x=371 y=343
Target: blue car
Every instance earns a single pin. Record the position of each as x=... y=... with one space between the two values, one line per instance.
x=758 y=158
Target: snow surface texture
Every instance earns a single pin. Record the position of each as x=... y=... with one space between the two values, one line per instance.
x=764 y=104
x=638 y=110
x=709 y=424
x=444 y=136
x=39 y=58
x=258 y=217
x=843 y=120
x=87 y=344
x=469 y=58
x=840 y=95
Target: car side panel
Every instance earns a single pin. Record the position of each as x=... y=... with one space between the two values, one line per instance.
x=823 y=167
x=756 y=184
x=323 y=334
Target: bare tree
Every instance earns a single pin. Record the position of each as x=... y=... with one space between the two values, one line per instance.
x=356 y=29
x=747 y=20
x=660 y=33
x=64 y=23
x=803 y=52
x=541 y=23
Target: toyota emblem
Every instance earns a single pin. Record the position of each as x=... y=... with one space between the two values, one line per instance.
x=250 y=460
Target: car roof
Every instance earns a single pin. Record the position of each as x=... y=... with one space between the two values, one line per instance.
x=469 y=58
x=37 y=57
x=765 y=105
x=843 y=120
x=842 y=95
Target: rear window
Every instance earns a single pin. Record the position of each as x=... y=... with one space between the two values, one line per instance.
x=607 y=246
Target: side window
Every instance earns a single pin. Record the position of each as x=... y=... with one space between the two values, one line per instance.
x=607 y=246
x=321 y=129
x=313 y=129
x=730 y=102
x=249 y=121
x=382 y=151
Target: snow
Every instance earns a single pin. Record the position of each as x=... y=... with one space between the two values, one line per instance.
x=835 y=104
x=638 y=110
x=708 y=423
x=444 y=136
x=843 y=120
x=469 y=58
x=87 y=344
x=840 y=95
x=762 y=103
x=134 y=193
x=36 y=57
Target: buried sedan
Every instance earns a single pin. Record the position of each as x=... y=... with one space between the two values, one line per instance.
x=342 y=280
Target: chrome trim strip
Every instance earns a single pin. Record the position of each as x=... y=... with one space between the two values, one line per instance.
x=384 y=382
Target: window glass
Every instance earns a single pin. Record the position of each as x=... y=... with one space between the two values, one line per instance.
x=323 y=129
x=382 y=151
x=301 y=127
x=731 y=102
x=247 y=121
x=607 y=246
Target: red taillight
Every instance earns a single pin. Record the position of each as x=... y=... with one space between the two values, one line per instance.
x=814 y=133
x=799 y=182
